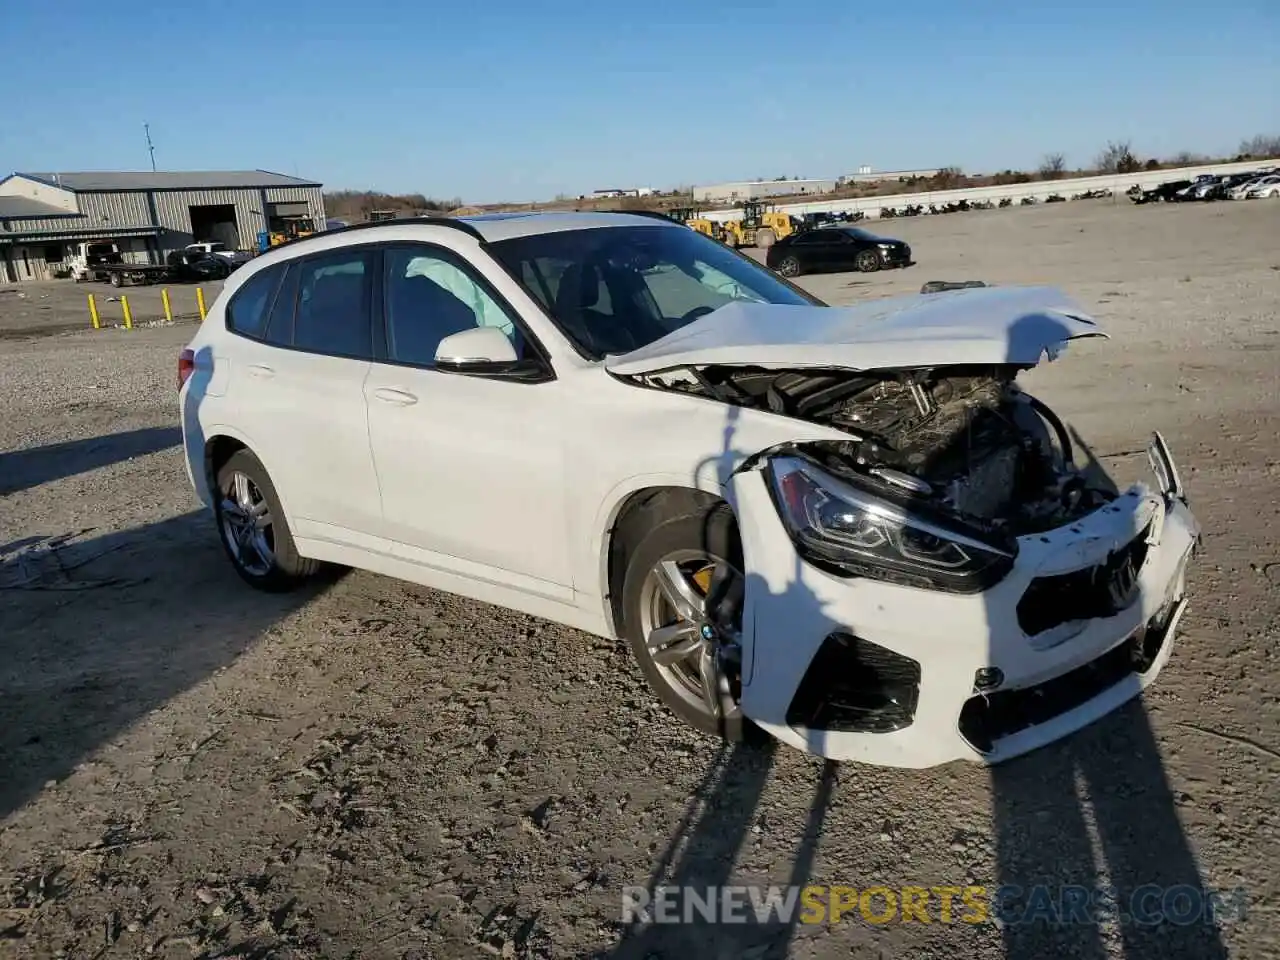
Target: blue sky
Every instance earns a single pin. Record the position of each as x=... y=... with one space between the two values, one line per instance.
x=505 y=100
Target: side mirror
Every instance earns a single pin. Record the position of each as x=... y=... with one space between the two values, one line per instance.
x=479 y=350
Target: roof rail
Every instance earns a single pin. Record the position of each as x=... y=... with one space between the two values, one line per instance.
x=651 y=214
x=397 y=222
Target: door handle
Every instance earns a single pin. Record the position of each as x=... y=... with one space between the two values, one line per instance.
x=261 y=370
x=401 y=398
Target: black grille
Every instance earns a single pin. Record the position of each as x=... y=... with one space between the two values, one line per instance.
x=1102 y=590
x=854 y=685
x=986 y=718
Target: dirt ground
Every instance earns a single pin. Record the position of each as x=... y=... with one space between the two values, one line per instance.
x=192 y=769
x=61 y=306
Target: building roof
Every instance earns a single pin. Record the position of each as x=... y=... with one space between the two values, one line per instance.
x=25 y=207
x=168 y=180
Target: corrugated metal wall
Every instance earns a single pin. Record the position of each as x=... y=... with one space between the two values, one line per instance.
x=116 y=209
x=313 y=196
x=174 y=214
x=99 y=211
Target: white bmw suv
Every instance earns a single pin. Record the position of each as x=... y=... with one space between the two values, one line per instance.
x=846 y=526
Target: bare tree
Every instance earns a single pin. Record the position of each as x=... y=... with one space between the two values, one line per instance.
x=1052 y=166
x=1117 y=157
x=947 y=178
x=1260 y=147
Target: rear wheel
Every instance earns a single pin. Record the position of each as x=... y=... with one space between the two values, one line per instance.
x=789 y=266
x=868 y=261
x=253 y=528
x=116 y=280
x=682 y=612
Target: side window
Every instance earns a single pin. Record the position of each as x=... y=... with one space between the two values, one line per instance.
x=810 y=238
x=279 y=330
x=247 y=311
x=332 y=312
x=428 y=296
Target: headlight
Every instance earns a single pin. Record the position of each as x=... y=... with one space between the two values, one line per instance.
x=853 y=532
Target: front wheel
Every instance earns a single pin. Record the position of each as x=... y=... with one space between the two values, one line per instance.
x=253 y=528
x=682 y=611
x=789 y=267
x=868 y=261
x=116 y=280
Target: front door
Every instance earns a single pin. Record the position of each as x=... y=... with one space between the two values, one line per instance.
x=471 y=468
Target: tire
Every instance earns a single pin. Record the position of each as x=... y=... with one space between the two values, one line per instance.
x=117 y=280
x=867 y=261
x=679 y=540
x=766 y=238
x=265 y=558
x=789 y=266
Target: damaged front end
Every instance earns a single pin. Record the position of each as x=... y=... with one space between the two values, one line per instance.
x=942 y=471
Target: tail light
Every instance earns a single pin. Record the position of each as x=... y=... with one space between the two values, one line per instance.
x=186 y=367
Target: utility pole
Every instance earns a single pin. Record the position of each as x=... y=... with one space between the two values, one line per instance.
x=150 y=146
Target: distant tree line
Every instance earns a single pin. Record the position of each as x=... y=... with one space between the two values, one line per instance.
x=357 y=205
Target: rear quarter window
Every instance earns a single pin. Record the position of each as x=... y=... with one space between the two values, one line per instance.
x=248 y=308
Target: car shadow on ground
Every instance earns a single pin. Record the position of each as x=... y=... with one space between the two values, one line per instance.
x=22 y=469
x=1091 y=859
x=1093 y=812
x=162 y=610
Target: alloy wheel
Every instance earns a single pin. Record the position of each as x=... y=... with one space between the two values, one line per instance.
x=690 y=617
x=247 y=525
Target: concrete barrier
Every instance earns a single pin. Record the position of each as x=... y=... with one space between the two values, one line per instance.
x=1118 y=183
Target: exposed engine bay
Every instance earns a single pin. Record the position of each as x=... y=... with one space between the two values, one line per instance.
x=965 y=440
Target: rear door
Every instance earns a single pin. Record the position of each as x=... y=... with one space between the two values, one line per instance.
x=303 y=344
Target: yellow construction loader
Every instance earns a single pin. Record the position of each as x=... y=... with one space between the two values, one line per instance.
x=759 y=227
x=692 y=218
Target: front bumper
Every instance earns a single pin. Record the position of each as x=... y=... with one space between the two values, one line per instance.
x=896 y=257
x=807 y=632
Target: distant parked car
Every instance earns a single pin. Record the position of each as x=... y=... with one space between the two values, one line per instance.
x=215 y=249
x=836 y=248
x=192 y=266
x=1266 y=187
x=1240 y=189
x=1167 y=192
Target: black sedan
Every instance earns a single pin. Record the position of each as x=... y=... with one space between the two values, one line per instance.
x=836 y=248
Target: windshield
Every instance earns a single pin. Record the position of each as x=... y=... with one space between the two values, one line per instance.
x=616 y=289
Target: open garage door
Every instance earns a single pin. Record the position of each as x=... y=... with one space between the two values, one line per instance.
x=215 y=223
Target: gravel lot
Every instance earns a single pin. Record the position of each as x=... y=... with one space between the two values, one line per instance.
x=192 y=769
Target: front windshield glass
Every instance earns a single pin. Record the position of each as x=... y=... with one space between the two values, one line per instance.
x=616 y=289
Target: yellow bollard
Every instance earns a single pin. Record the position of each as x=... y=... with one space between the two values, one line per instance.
x=200 y=302
x=128 y=314
x=168 y=310
x=93 y=313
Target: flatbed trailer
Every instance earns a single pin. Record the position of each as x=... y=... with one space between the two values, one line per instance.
x=120 y=274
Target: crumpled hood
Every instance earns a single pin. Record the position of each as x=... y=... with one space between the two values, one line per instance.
x=979 y=325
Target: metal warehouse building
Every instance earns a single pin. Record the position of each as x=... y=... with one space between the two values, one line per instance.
x=44 y=215
x=754 y=189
